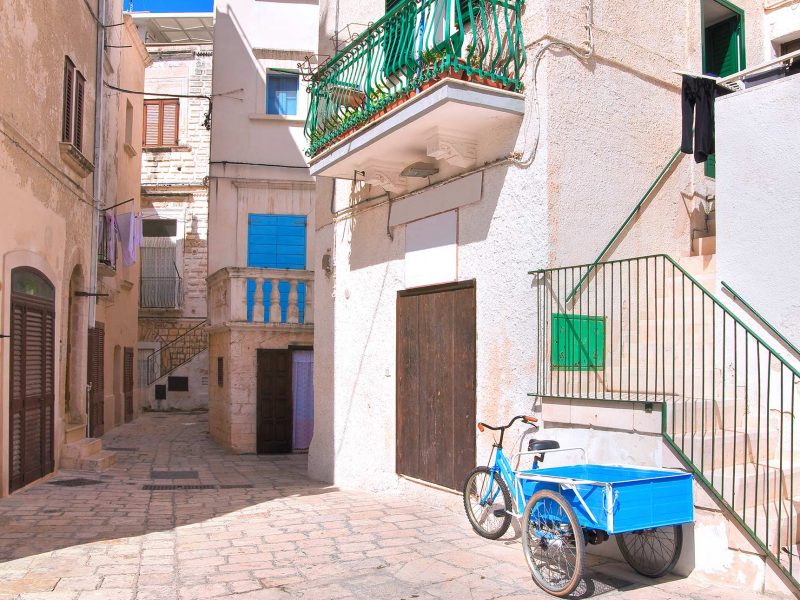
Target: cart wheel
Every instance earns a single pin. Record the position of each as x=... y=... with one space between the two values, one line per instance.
x=553 y=543
x=652 y=552
x=487 y=502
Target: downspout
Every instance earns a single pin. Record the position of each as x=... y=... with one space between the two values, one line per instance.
x=98 y=156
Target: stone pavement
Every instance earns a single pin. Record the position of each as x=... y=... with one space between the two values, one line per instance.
x=257 y=528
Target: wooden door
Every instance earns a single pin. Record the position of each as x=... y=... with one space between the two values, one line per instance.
x=95 y=379
x=436 y=383
x=32 y=378
x=274 y=402
x=127 y=383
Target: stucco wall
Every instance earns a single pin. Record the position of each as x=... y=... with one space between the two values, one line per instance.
x=758 y=178
x=47 y=213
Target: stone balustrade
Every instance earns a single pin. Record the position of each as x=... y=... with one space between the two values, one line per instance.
x=254 y=295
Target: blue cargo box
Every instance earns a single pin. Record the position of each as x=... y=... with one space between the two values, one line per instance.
x=621 y=499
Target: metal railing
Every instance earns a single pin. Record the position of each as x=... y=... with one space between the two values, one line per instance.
x=414 y=44
x=160 y=292
x=177 y=352
x=105 y=243
x=644 y=329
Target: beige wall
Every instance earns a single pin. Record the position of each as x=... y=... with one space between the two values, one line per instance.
x=46 y=204
x=122 y=170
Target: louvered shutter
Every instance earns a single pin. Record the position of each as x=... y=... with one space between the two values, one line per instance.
x=151 y=123
x=95 y=378
x=17 y=393
x=48 y=407
x=127 y=383
x=80 y=86
x=169 y=123
x=69 y=72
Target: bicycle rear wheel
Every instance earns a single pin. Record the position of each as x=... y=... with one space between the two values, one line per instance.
x=652 y=552
x=552 y=539
x=487 y=503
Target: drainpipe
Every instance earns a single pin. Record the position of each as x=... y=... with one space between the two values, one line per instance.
x=98 y=156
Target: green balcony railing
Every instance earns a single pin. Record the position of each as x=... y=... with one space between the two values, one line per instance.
x=412 y=46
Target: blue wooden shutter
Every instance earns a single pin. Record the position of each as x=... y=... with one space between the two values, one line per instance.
x=276 y=242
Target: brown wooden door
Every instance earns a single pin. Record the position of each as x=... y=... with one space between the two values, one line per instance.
x=436 y=383
x=95 y=379
x=32 y=379
x=127 y=383
x=274 y=402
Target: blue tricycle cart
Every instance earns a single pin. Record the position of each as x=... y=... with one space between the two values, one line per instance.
x=561 y=509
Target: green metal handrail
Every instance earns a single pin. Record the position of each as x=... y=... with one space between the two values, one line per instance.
x=645 y=330
x=414 y=44
x=738 y=297
x=633 y=213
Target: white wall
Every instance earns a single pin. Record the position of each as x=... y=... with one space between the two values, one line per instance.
x=758 y=199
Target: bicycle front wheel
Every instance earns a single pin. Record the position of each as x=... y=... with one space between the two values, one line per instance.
x=652 y=552
x=552 y=539
x=487 y=502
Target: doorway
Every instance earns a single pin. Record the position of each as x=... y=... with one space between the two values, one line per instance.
x=32 y=377
x=436 y=383
x=95 y=379
x=723 y=46
x=274 y=402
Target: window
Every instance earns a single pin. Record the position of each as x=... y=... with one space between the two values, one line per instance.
x=220 y=371
x=129 y=123
x=161 y=122
x=282 y=92
x=74 y=94
x=177 y=384
x=160 y=285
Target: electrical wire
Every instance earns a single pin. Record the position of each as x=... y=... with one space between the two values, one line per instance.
x=143 y=93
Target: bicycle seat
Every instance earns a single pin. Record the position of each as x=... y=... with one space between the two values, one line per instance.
x=537 y=445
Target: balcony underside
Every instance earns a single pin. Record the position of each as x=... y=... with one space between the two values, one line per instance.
x=453 y=124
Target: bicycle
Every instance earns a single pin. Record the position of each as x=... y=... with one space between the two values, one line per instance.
x=566 y=508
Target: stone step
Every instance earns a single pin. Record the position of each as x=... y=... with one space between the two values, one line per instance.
x=705 y=246
x=82 y=448
x=713 y=450
x=747 y=485
x=775 y=524
x=74 y=432
x=99 y=462
x=698 y=265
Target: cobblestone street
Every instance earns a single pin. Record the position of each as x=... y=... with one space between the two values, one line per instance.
x=256 y=527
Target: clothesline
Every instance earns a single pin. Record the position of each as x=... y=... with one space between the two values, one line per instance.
x=117 y=204
x=688 y=74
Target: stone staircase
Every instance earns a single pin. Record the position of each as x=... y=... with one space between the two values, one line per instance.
x=86 y=455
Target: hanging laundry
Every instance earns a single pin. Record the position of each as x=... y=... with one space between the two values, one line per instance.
x=697 y=104
x=126 y=226
x=111 y=237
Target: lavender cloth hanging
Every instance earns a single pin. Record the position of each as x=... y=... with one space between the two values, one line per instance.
x=111 y=237
x=126 y=226
x=303 y=392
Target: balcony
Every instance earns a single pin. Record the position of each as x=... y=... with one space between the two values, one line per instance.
x=163 y=293
x=249 y=295
x=106 y=249
x=426 y=81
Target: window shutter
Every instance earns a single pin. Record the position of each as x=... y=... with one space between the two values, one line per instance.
x=151 y=110
x=80 y=85
x=69 y=72
x=169 y=127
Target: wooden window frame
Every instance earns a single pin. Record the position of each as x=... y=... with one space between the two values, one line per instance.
x=161 y=102
x=73 y=104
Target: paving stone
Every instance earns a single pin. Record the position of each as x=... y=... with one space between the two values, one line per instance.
x=283 y=538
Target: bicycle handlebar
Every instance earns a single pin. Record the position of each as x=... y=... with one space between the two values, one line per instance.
x=527 y=419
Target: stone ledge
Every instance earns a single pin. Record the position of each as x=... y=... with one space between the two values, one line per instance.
x=75 y=159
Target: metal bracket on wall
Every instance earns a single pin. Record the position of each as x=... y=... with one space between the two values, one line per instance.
x=80 y=294
x=2 y=335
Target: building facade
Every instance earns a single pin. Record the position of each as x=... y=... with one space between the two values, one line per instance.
x=176 y=140
x=465 y=158
x=261 y=229
x=61 y=165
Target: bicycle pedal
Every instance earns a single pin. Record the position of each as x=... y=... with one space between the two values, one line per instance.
x=500 y=512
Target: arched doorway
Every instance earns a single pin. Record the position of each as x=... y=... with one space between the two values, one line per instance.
x=32 y=376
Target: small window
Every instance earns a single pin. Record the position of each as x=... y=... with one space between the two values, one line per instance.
x=159 y=228
x=220 y=371
x=72 y=115
x=578 y=343
x=161 y=392
x=161 y=122
x=129 y=123
x=178 y=384
x=282 y=90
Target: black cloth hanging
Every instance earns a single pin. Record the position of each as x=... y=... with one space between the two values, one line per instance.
x=697 y=103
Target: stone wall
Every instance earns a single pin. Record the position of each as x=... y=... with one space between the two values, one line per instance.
x=175 y=186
